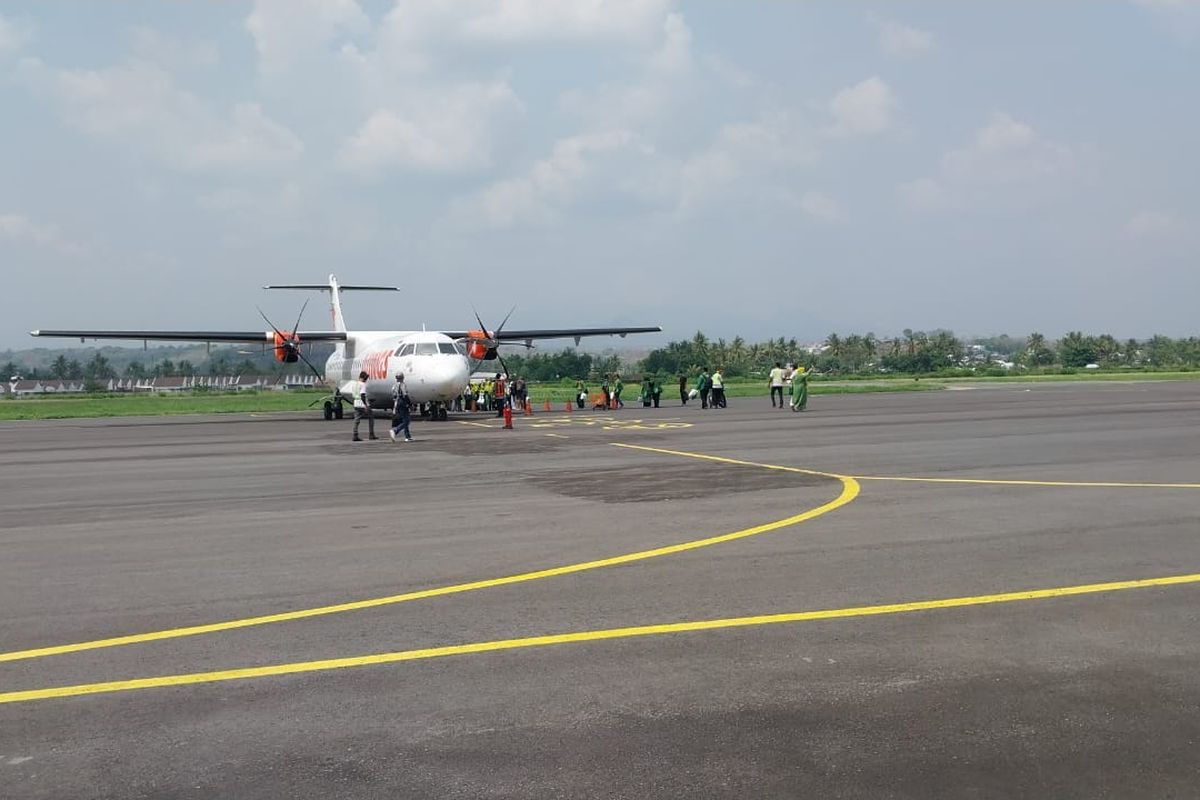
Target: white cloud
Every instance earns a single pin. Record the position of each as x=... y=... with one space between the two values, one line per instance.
x=550 y=184
x=1004 y=152
x=20 y=229
x=525 y=20
x=288 y=31
x=159 y=48
x=1151 y=223
x=899 y=40
x=648 y=98
x=822 y=207
x=139 y=106
x=443 y=131
x=743 y=150
x=863 y=109
x=13 y=36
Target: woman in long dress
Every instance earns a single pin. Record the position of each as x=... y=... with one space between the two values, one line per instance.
x=800 y=388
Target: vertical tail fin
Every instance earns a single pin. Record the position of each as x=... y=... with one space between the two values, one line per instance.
x=335 y=304
x=335 y=290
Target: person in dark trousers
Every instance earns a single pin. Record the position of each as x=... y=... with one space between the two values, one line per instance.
x=604 y=391
x=776 y=383
x=703 y=386
x=498 y=395
x=656 y=390
x=581 y=393
x=401 y=409
x=362 y=409
x=683 y=390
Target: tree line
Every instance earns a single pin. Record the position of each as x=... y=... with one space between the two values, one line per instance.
x=925 y=352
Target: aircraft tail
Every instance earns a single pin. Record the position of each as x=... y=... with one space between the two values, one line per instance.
x=335 y=290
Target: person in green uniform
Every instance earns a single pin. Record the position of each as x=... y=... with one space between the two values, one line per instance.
x=581 y=393
x=647 y=393
x=800 y=388
x=656 y=390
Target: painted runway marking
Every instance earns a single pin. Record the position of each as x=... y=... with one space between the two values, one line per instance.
x=587 y=636
x=850 y=490
x=1062 y=484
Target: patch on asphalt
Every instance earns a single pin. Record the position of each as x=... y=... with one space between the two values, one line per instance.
x=651 y=482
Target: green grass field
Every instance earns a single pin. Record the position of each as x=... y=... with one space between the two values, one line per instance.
x=84 y=406
x=154 y=405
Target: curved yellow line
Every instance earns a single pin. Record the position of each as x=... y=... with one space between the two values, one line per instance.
x=584 y=636
x=850 y=490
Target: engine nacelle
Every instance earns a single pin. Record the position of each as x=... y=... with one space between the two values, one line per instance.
x=287 y=346
x=479 y=345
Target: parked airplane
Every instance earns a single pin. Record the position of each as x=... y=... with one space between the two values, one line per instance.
x=436 y=364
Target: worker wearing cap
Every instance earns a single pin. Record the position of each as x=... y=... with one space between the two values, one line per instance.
x=499 y=396
x=401 y=409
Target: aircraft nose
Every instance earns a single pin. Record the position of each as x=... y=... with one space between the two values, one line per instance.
x=451 y=376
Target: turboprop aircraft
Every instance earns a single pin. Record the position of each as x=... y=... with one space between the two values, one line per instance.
x=436 y=364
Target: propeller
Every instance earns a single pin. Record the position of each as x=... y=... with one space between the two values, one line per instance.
x=491 y=341
x=290 y=343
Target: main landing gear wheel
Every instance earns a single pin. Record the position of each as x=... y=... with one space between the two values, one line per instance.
x=328 y=410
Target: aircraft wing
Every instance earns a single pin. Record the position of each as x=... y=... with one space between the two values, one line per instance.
x=554 y=333
x=253 y=337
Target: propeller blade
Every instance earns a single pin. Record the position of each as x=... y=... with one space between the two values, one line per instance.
x=482 y=327
x=309 y=364
x=299 y=317
x=502 y=364
x=505 y=322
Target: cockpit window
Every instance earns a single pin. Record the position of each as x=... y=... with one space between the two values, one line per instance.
x=405 y=350
x=447 y=347
x=427 y=348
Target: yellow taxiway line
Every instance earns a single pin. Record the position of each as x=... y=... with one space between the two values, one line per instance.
x=850 y=490
x=586 y=636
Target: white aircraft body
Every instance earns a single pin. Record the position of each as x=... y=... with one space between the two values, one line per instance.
x=436 y=364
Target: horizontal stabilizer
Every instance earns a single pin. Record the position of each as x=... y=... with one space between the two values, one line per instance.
x=324 y=287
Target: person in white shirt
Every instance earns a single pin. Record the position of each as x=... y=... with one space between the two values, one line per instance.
x=776 y=384
x=362 y=409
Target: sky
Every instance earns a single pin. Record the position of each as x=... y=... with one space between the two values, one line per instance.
x=759 y=169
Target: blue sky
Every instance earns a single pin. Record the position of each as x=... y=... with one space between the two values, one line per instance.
x=760 y=169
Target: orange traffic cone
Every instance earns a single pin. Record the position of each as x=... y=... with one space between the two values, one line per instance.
x=569 y=409
x=546 y=406
x=528 y=408
x=508 y=417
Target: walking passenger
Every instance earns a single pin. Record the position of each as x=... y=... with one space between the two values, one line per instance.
x=683 y=390
x=703 y=386
x=800 y=389
x=362 y=409
x=656 y=390
x=776 y=383
x=617 y=387
x=401 y=409
x=581 y=393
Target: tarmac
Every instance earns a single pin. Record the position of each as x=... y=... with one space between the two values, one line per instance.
x=675 y=602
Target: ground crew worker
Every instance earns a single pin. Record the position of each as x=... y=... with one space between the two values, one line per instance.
x=776 y=383
x=617 y=387
x=718 y=389
x=498 y=397
x=656 y=390
x=800 y=389
x=647 y=394
x=703 y=386
x=362 y=409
